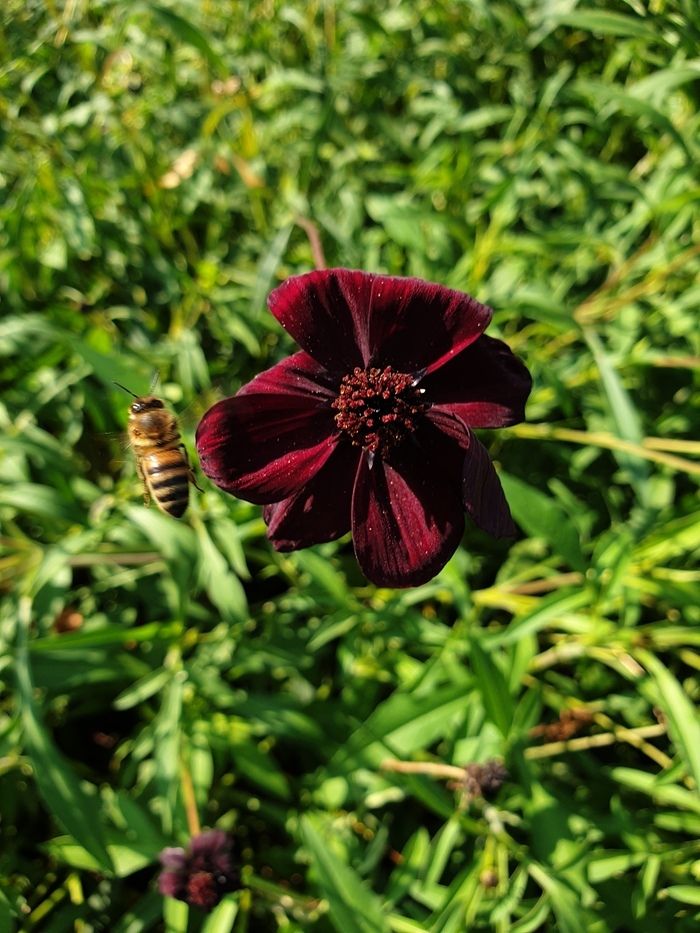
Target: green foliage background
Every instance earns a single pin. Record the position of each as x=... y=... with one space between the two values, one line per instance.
x=161 y=169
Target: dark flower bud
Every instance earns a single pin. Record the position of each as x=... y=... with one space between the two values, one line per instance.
x=493 y=774
x=484 y=780
x=202 y=873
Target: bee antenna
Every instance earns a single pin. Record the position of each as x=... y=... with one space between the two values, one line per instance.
x=128 y=391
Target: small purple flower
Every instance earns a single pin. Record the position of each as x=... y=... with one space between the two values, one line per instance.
x=369 y=427
x=202 y=873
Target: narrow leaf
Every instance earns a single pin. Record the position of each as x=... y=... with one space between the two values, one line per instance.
x=57 y=783
x=492 y=687
x=680 y=712
x=353 y=906
x=542 y=517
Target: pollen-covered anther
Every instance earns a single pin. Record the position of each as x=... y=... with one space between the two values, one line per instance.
x=377 y=408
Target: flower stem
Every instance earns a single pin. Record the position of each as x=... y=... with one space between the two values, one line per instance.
x=188 y=797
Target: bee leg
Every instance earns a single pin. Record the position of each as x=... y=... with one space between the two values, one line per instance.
x=190 y=471
x=142 y=477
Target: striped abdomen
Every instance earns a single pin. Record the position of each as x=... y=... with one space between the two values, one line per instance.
x=167 y=477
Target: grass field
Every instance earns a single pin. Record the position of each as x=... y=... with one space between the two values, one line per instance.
x=162 y=168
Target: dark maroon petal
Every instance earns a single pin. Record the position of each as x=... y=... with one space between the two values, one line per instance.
x=346 y=318
x=416 y=325
x=450 y=425
x=171 y=884
x=210 y=841
x=486 y=385
x=298 y=374
x=326 y=313
x=266 y=442
x=321 y=510
x=484 y=498
x=173 y=858
x=407 y=515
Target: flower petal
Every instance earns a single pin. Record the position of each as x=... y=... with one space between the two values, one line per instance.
x=173 y=857
x=210 y=842
x=416 y=325
x=450 y=425
x=483 y=494
x=325 y=311
x=486 y=385
x=170 y=884
x=320 y=511
x=407 y=517
x=298 y=374
x=346 y=318
x=266 y=442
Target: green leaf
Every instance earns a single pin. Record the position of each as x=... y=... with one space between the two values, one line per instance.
x=492 y=687
x=142 y=915
x=449 y=837
x=218 y=579
x=144 y=688
x=108 y=636
x=267 y=264
x=353 y=906
x=126 y=858
x=167 y=748
x=565 y=903
x=415 y=857
x=325 y=577
x=7 y=916
x=607 y=23
x=542 y=517
x=34 y=499
x=602 y=867
x=549 y=608
x=685 y=893
x=663 y=794
x=175 y=915
x=110 y=369
x=681 y=714
x=187 y=32
x=665 y=80
x=625 y=417
x=401 y=725
x=222 y=917
x=58 y=785
x=260 y=769
x=618 y=100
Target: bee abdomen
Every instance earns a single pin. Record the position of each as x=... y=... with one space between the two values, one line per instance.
x=174 y=501
x=167 y=476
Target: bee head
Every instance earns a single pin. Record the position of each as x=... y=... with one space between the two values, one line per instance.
x=145 y=403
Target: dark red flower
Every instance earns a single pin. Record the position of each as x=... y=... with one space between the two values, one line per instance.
x=202 y=873
x=369 y=426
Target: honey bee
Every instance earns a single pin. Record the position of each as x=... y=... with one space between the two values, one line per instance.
x=161 y=458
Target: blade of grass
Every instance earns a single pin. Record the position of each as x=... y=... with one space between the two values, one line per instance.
x=680 y=712
x=542 y=517
x=353 y=906
x=56 y=781
x=493 y=688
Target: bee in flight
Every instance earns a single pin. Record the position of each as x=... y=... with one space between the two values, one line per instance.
x=161 y=458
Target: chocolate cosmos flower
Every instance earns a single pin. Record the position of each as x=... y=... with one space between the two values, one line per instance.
x=369 y=426
x=202 y=873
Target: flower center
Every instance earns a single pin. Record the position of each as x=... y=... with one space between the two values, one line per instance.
x=202 y=890
x=378 y=408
